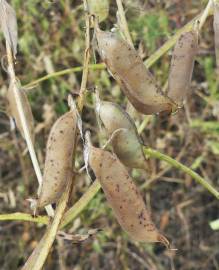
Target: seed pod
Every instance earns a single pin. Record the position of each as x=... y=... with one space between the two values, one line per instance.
x=182 y=64
x=216 y=31
x=13 y=111
x=125 y=139
x=124 y=197
x=58 y=163
x=136 y=81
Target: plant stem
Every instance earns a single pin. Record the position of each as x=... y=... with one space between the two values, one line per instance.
x=40 y=253
x=80 y=205
x=123 y=22
x=155 y=154
x=62 y=73
x=86 y=59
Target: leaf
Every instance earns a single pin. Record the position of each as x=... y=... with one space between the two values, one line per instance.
x=8 y=23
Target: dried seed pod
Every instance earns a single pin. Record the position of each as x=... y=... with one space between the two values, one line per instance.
x=58 y=163
x=136 y=81
x=13 y=111
x=216 y=31
x=182 y=64
x=124 y=197
x=126 y=142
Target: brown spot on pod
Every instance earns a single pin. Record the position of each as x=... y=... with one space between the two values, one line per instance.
x=60 y=146
x=13 y=111
x=182 y=64
x=136 y=81
x=216 y=31
x=129 y=213
x=125 y=139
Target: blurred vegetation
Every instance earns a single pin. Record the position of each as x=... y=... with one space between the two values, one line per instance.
x=51 y=38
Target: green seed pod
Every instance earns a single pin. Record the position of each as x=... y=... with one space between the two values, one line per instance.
x=216 y=31
x=125 y=139
x=136 y=81
x=124 y=197
x=58 y=163
x=13 y=111
x=99 y=8
x=182 y=64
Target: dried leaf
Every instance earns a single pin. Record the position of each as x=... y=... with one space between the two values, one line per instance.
x=8 y=23
x=58 y=163
x=124 y=197
x=13 y=111
x=77 y=238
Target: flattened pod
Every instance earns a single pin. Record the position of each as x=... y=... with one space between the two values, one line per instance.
x=216 y=31
x=182 y=64
x=126 y=66
x=58 y=163
x=13 y=111
x=124 y=197
x=126 y=141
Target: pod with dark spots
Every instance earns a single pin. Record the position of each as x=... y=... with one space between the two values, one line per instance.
x=125 y=139
x=216 y=31
x=136 y=81
x=124 y=197
x=58 y=163
x=13 y=111
x=182 y=64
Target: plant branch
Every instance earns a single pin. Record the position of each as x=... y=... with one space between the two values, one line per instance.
x=123 y=22
x=155 y=154
x=40 y=253
x=86 y=59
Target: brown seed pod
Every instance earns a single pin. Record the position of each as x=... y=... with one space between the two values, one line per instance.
x=216 y=31
x=182 y=64
x=13 y=111
x=136 y=81
x=58 y=163
x=124 y=197
x=126 y=142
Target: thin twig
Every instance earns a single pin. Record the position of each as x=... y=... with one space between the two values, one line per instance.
x=155 y=154
x=39 y=255
x=123 y=22
x=86 y=59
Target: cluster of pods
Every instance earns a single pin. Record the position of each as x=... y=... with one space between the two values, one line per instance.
x=147 y=97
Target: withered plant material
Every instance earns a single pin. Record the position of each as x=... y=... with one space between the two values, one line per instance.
x=216 y=31
x=182 y=64
x=8 y=23
x=124 y=197
x=59 y=154
x=13 y=111
x=126 y=142
x=128 y=69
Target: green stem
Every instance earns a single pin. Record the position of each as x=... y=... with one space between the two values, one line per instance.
x=155 y=154
x=80 y=205
x=63 y=72
x=24 y=217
